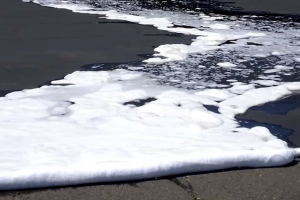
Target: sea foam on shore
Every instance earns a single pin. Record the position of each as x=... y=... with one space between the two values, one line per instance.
x=92 y=131
x=88 y=127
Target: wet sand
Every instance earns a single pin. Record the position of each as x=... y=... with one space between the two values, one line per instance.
x=290 y=120
x=40 y=44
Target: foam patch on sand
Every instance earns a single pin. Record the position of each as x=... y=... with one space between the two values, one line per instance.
x=125 y=125
x=92 y=130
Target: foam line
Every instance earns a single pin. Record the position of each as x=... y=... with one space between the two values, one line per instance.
x=143 y=169
x=297 y=152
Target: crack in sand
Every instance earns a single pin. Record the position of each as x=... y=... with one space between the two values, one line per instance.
x=187 y=187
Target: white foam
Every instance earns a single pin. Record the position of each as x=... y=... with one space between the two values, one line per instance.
x=269 y=71
x=266 y=82
x=207 y=41
x=226 y=64
x=231 y=80
x=278 y=69
x=260 y=55
x=215 y=94
x=219 y=26
x=83 y=133
x=276 y=53
x=281 y=67
x=240 y=89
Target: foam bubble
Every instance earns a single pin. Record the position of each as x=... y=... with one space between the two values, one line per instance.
x=266 y=82
x=226 y=64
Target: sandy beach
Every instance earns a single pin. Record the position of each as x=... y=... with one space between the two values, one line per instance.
x=39 y=44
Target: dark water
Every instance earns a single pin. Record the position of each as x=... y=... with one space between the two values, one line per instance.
x=279 y=131
x=281 y=107
x=278 y=108
x=194 y=7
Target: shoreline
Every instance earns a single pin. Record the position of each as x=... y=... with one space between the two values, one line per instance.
x=32 y=34
x=237 y=184
x=287 y=10
x=276 y=7
x=232 y=184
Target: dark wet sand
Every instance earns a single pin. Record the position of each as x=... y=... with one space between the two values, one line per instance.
x=39 y=44
x=269 y=6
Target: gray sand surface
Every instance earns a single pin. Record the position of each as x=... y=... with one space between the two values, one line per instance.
x=40 y=44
